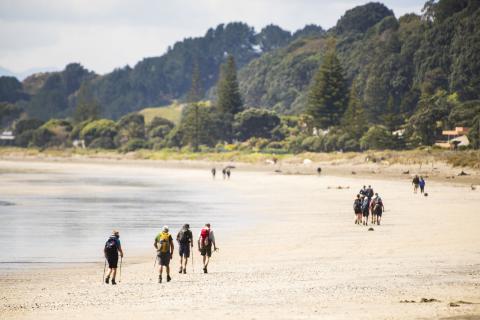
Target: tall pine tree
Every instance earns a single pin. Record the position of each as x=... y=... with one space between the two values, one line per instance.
x=327 y=97
x=194 y=97
x=229 y=100
x=354 y=120
x=87 y=107
x=196 y=89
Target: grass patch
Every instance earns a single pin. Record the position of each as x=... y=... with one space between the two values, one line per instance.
x=172 y=112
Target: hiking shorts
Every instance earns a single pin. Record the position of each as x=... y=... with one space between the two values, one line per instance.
x=112 y=261
x=164 y=258
x=206 y=251
x=184 y=250
x=366 y=213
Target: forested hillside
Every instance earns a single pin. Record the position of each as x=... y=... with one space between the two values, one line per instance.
x=368 y=77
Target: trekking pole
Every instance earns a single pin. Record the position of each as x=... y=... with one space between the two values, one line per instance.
x=104 y=269
x=120 y=276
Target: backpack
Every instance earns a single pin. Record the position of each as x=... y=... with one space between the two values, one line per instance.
x=164 y=241
x=183 y=236
x=369 y=192
x=204 y=238
x=357 y=205
x=111 y=245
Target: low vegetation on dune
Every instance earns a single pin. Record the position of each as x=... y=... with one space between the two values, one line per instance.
x=371 y=83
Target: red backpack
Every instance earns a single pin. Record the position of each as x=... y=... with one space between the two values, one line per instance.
x=204 y=237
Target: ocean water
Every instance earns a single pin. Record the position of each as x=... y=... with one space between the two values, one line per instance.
x=64 y=215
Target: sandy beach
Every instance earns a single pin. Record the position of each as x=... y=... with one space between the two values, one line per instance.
x=304 y=258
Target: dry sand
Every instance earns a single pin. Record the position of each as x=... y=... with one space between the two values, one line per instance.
x=304 y=259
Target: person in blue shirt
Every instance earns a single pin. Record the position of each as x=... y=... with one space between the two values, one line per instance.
x=421 y=183
x=111 y=250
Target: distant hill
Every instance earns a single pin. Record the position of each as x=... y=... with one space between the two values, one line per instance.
x=393 y=62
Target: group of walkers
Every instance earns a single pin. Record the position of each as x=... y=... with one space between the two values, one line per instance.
x=368 y=203
x=225 y=172
x=418 y=182
x=165 y=248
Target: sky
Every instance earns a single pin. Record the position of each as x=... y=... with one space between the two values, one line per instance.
x=106 y=34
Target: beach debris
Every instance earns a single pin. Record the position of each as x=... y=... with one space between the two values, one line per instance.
x=450 y=177
x=353 y=172
x=278 y=171
x=429 y=300
x=338 y=187
x=453 y=304
x=407 y=301
x=319 y=170
x=426 y=194
x=406 y=172
x=6 y=203
x=371 y=229
x=463 y=173
x=307 y=161
x=463 y=302
x=473 y=187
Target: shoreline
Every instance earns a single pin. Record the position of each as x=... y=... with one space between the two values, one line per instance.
x=303 y=259
x=350 y=165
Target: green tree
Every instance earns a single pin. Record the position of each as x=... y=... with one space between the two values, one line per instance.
x=229 y=100
x=101 y=128
x=327 y=97
x=474 y=133
x=426 y=124
x=378 y=137
x=88 y=107
x=196 y=90
x=130 y=126
x=354 y=120
x=194 y=96
x=199 y=125
x=257 y=123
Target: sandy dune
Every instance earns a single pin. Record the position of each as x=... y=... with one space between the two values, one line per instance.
x=303 y=259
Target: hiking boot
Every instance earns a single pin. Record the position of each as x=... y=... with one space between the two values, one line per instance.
x=107 y=280
x=185 y=271
x=205 y=270
x=180 y=271
x=113 y=282
x=159 y=279
x=168 y=278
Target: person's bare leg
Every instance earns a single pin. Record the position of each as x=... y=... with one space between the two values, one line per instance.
x=160 y=271
x=186 y=261
x=181 y=264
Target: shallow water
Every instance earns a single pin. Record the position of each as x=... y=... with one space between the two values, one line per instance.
x=64 y=215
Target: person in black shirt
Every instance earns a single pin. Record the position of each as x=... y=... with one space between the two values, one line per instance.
x=185 y=242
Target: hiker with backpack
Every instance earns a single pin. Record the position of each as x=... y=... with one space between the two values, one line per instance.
x=164 y=245
x=365 y=210
x=214 y=172
x=185 y=242
x=363 y=191
x=111 y=250
x=369 y=194
x=357 y=209
x=415 y=182
x=205 y=241
x=377 y=209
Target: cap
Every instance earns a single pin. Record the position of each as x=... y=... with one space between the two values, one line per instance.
x=165 y=228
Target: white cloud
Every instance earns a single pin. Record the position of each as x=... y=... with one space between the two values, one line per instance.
x=105 y=34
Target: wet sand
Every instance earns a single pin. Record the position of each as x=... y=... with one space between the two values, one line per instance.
x=304 y=258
